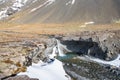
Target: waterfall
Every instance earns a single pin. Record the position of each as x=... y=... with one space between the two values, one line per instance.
x=54 y=53
x=61 y=48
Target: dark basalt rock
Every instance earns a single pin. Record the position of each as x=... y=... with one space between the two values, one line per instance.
x=89 y=70
x=104 y=44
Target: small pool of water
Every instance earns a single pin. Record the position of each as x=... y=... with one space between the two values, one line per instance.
x=67 y=56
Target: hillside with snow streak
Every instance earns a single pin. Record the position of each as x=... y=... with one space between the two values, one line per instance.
x=9 y=7
x=63 y=11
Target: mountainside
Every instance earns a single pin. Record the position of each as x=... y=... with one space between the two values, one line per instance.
x=65 y=11
x=60 y=39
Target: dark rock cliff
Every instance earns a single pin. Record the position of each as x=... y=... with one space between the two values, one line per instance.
x=102 y=44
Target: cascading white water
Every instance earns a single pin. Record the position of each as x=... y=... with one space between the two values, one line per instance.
x=54 y=53
x=61 y=48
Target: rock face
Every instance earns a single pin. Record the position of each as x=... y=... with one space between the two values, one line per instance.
x=35 y=54
x=104 y=45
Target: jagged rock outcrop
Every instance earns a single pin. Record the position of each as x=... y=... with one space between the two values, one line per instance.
x=35 y=53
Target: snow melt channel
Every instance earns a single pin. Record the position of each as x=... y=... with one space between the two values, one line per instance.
x=115 y=62
x=50 y=71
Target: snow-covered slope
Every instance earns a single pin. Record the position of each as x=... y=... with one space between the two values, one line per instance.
x=9 y=7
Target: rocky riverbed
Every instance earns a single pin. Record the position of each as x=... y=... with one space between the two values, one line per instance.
x=15 y=56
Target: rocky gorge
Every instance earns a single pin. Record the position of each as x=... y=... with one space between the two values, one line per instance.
x=104 y=45
x=59 y=39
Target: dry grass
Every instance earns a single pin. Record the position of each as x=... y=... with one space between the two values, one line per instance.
x=38 y=28
x=9 y=37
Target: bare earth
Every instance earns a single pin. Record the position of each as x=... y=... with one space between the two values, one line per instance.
x=67 y=28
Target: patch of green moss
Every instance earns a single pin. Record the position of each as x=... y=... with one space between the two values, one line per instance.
x=1 y=71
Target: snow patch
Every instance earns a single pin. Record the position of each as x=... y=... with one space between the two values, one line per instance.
x=25 y=1
x=50 y=2
x=17 y=4
x=34 y=1
x=16 y=7
x=87 y=23
x=115 y=62
x=21 y=1
x=52 y=71
x=2 y=14
x=71 y=2
x=47 y=3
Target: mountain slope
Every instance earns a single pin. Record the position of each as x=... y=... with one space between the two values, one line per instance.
x=66 y=11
